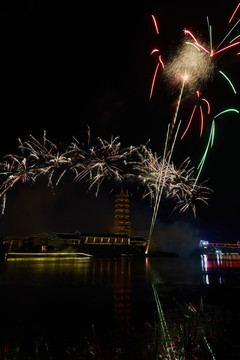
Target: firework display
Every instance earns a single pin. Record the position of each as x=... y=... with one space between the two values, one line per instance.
x=104 y=161
x=188 y=69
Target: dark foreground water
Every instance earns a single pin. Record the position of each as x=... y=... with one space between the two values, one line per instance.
x=126 y=308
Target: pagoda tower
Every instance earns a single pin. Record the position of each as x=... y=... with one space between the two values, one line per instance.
x=122 y=213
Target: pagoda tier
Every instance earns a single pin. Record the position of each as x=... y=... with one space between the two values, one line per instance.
x=122 y=213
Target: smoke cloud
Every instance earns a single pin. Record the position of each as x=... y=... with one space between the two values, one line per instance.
x=180 y=238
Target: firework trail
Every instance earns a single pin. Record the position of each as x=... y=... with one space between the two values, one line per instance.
x=105 y=161
x=199 y=100
x=159 y=59
x=210 y=143
x=179 y=70
x=155 y=24
x=177 y=183
x=100 y=162
x=161 y=177
x=169 y=136
x=195 y=60
x=191 y=66
x=160 y=182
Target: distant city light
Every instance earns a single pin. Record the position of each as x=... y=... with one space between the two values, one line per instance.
x=203 y=243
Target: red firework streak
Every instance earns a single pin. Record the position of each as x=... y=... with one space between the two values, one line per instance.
x=159 y=60
x=199 y=99
x=234 y=13
x=211 y=52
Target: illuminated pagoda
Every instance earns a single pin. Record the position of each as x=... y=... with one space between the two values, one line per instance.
x=122 y=213
x=78 y=244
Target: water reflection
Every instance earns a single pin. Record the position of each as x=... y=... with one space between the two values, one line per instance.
x=215 y=267
x=86 y=308
x=197 y=306
x=122 y=295
x=124 y=308
x=41 y=272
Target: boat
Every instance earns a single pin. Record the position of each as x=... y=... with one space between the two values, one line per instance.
x=19 y=255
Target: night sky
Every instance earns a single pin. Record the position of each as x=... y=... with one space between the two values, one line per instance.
x=65 y=68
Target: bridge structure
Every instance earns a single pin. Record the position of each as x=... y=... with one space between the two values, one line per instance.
x=225 y=248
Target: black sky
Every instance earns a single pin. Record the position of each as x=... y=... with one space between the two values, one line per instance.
x=67 y=67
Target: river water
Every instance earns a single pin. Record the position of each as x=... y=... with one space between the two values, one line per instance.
x=125 y=308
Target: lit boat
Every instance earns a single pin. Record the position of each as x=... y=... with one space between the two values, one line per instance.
x=45 y=255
